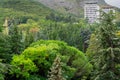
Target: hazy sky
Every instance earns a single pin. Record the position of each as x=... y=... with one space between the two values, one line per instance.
x=113 y=2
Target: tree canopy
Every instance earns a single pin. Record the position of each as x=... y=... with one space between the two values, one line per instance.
x=41 y=54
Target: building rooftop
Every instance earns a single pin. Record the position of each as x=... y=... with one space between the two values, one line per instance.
x=91 y=2
x=107 y=7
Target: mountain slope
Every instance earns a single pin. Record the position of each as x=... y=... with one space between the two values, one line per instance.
x=27 y=6
x=23 y=10
x=67 y=6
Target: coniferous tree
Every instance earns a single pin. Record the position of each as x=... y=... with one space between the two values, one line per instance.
x=56 y=70
x=5 y=48
x=16 y=38
x=93 y=47
x=107 y=65
x=0 y=28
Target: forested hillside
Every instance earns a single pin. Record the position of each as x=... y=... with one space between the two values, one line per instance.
x=28 y=6
x=27 y=9
x=22 y=9
x=38 y=43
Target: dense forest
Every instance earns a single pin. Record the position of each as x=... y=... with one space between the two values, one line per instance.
x=38 y=43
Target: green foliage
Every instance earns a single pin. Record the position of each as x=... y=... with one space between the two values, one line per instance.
x=11 y=13
x=61 y=18
x=4 y=69
x=22 y=10
x=35 y=77
x=93 y=47
x=28 y=6
x=105 y=66
x=5 y=48
x=16 y=37
x=0 y=28
x=55 y=72
x=1 y=71
x=25 y=66
x=75 y=34
x=72 y=52
x=30 y=30
x=42 y=55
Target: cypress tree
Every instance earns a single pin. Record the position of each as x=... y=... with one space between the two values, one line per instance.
x=107 y=65
x=56 y=70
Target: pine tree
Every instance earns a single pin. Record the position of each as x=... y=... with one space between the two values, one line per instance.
x=107 y=66
x=56 y=70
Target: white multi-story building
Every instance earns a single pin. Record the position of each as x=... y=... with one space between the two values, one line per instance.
x=91 y=11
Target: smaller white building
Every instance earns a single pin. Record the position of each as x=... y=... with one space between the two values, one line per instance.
x=91 y=11
x=107 y=9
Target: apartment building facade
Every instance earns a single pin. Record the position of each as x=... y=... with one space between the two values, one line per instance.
x=91 y=11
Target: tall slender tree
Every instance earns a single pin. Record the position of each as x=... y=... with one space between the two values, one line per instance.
x=16 y=37
x=107 y=65
x=56 y=70
x=5 y=48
